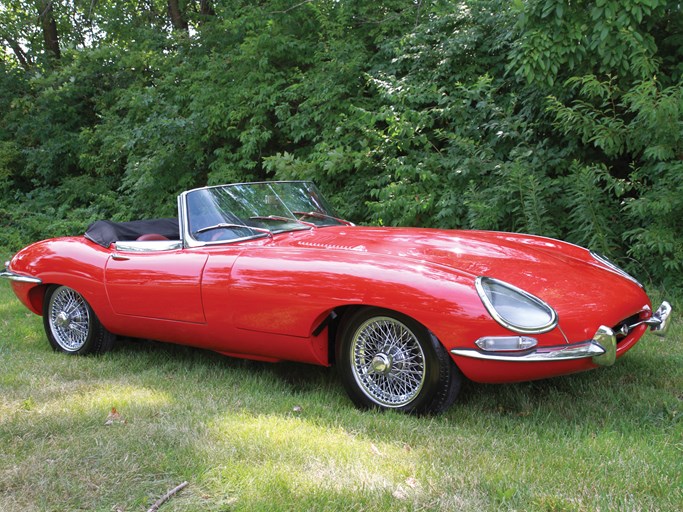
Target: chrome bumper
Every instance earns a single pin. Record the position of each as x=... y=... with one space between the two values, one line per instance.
x=602 y=348
x=13 y=276
x=659 y=322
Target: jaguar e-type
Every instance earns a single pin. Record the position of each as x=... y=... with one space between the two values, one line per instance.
x=268 y=271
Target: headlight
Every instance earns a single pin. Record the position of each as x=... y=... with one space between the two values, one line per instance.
x=514 y=308
x=603 y=259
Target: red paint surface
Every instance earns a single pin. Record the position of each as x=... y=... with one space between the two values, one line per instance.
x=264 y=298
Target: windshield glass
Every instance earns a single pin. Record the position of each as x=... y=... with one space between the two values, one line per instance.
x=256 y=209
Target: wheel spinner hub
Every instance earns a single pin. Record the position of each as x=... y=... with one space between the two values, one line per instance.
x=381 y=363
x=63 y=320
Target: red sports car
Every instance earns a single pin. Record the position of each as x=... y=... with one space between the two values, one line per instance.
x=267 y=271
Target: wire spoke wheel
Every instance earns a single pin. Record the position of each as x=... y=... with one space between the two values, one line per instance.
x=69 y=318
x=71 y=324
x=387 y=361
x=390 y=361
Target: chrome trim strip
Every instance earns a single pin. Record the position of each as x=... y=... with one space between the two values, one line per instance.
x=183 y=216
x=599 y=346
x=184 y=225
x=181 y=219
x=614 y=267
x=13 y=276
x=563 y=352
x=494 y=314
x=247 y=183
x=148 y=246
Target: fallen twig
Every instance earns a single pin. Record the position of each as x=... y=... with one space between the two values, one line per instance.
x=166 y=496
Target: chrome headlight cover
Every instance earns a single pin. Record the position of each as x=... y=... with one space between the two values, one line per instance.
x=515 y=308
x=612 y=266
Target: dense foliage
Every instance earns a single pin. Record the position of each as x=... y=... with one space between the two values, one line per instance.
x=545 y=116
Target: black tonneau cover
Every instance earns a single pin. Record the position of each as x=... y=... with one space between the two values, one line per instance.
x=105 y=232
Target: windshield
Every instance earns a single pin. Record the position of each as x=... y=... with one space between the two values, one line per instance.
x=249 y=210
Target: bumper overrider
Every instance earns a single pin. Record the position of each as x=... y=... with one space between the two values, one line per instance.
x=602 y=348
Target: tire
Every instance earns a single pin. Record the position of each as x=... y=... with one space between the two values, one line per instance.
x=71 y=325
x=389 y=361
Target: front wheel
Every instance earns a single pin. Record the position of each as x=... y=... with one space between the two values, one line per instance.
x=390 y=361
x=71 y=325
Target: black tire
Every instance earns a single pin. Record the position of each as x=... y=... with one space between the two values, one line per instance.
x=71 y=325
x=389 y=361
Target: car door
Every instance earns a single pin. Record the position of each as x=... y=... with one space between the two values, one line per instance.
x=157 y=284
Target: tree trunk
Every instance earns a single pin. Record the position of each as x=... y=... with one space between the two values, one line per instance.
x=19 y=53
x=50 y=34
x=177 y=20
x=205 y=8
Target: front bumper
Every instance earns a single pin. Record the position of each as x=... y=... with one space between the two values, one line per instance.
x=602 y=348
x=13 y=276
x=659 y=322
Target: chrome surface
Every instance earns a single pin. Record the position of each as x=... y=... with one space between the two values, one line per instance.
x=549 y=326
x=615 y=268
x=605 y=338
x=228 y=225
x=387 y=361
x=183 y=227
x=381 y=363
x=149 y=246
x=62 y=320
x=249 y=183
x=69 y=319
x=13 y=276
x=591 y=348
x=624 y=330
x=659 y=323
x=259 y=201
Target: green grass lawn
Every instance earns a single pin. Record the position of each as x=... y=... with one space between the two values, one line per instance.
x=255 y=436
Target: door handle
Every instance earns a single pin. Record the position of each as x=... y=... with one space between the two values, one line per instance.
x=119 y=257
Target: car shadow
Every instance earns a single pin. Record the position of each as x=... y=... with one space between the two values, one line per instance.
x=618 y=395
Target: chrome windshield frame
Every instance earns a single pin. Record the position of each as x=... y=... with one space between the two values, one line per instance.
x=190 y=241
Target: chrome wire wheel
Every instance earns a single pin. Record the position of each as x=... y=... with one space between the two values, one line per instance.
x=387 y=361
x=69 y=319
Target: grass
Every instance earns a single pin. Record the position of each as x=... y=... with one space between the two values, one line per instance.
x=252 y=436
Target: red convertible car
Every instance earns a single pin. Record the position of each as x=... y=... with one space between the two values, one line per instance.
x=267 y=271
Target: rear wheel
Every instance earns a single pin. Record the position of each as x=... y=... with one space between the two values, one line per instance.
x=71 y=325
x=390 y=361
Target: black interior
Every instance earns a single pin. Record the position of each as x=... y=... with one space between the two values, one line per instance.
x=105 y=232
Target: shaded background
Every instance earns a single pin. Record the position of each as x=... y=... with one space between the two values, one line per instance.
x=550 y=117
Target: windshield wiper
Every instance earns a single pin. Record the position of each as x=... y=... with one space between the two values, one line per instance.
x=226 y=225
x=282 y=219
x=272 y=217
x=320 y=215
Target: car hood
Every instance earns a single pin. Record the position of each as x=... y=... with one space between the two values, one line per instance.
x=562 y=274
x=473 y=252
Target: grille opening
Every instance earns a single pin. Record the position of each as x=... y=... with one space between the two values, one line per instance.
x=622 y=329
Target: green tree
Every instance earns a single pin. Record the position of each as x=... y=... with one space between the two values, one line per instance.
x=613 y=75
x=545 y=116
